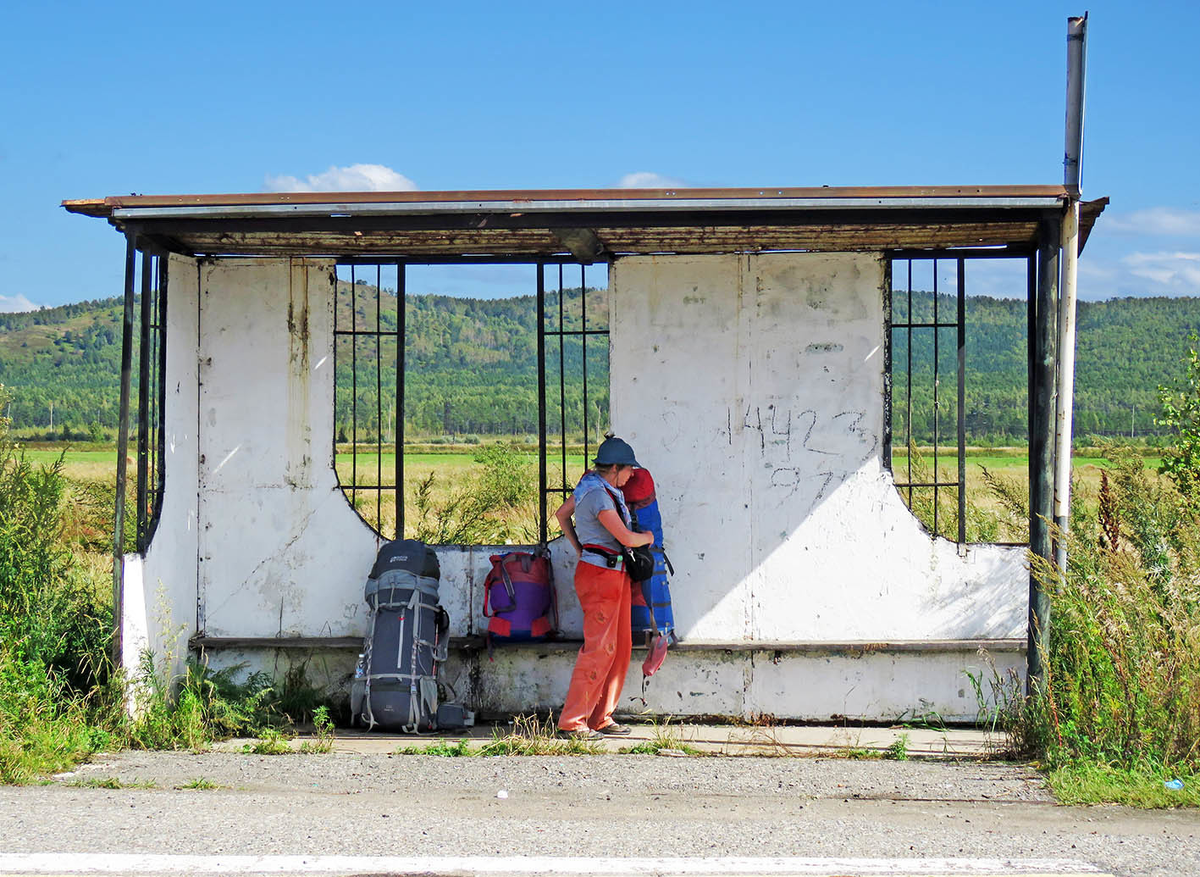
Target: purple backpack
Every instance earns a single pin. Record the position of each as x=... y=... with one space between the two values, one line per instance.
x=518 y=597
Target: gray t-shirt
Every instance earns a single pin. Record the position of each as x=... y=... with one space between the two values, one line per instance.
x=587 y=524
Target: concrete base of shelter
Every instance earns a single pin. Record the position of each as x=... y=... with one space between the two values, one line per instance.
x=927 y=682
x=930 y=682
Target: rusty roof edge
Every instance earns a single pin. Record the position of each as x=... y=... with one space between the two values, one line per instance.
x=561 y=198
x=1089 y=212
x=349 y=208
x=88 y=207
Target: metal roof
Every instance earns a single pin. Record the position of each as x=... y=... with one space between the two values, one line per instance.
x=590 y=224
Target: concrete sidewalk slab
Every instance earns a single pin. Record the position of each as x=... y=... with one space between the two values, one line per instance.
x=730 y=740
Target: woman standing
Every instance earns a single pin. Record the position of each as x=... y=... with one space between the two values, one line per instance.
x=600 y=528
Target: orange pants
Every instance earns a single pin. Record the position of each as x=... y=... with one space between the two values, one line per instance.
x=596 y=682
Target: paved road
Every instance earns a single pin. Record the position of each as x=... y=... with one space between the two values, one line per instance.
x=600 y=806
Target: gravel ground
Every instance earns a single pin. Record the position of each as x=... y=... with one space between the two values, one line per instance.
x=586 y=806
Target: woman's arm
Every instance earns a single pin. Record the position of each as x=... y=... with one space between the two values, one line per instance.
x=564 y=522
x=613 y=524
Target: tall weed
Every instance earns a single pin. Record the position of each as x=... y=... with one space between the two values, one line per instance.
x=42 y=727
x=191 y=712
x=55 y=673
x=1122 y=678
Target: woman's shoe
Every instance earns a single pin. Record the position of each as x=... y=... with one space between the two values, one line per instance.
x=580 y=734
x=614 y=730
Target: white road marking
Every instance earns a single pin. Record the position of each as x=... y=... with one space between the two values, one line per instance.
x=132 y=863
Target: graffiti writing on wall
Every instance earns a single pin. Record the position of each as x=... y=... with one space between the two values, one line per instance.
x=807 y=452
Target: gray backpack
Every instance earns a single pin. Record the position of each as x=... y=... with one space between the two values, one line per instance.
x=396 y=686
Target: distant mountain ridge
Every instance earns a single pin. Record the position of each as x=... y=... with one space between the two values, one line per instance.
x=472 y=365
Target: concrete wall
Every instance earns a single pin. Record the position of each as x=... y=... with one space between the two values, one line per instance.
x=281 y=552
x=750 y=386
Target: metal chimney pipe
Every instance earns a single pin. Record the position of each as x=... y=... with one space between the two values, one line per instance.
x=1076 y=79
x=1063 y=421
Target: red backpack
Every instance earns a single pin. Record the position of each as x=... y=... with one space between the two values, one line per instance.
x=518 y=597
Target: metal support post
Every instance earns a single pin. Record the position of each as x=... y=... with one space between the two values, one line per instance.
x=1064 y=415
x=1041 y=440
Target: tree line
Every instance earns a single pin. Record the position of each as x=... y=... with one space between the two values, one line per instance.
x=470 y=366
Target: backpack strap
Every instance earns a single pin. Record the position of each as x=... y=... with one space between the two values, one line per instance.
x=660 y=550
x=498 y=564
x=553 y=589
x=508 y=587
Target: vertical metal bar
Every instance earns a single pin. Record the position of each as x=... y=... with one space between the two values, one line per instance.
x=1031 y=285
x=123 y=448
x=401 y=334
x=143 y=436
x=541 y=357
x=378 y=404
x=353 y=390
x=936 y=356
x=161 y=470
x=1041 y=444
x=962 y=401
x=153 y=420
x=562 y=380
x=336 y=343
x=887 y=364
x=908 y=415
x=583 y=344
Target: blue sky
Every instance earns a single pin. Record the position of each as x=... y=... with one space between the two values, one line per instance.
x=103 y=99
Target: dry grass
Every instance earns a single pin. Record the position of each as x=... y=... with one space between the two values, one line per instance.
x=997 y=489
x=448 y=474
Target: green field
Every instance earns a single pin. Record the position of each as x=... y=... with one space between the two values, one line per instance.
x=440 y=488
x=100 y=464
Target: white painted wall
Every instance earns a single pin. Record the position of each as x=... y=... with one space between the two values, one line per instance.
x=281 y=551
x=751 y=387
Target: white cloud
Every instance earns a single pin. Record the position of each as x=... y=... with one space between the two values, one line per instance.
x=1155 y=220
x=1102 y=275
x=1177 y=272
x=649 y=180
x=352 y=178
x=15 y=304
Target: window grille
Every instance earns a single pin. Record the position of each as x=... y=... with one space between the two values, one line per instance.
x=573 y=380
x=368 y=395
x=926 y=338
x=146 y=275
x=369 y=387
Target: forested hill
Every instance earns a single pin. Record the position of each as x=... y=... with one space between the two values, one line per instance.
x=472 y=364
x=1125 y=349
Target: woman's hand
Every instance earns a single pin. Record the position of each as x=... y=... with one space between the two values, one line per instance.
x=612 y=522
